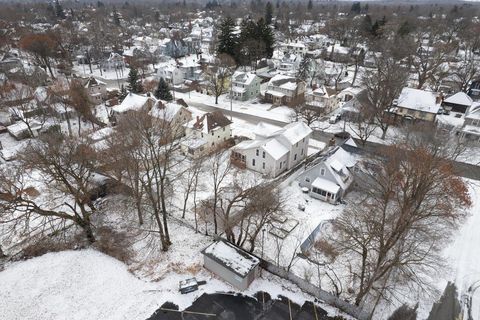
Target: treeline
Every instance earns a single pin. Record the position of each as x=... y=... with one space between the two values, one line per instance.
x=254 y=42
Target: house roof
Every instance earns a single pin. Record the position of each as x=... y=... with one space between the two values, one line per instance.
x=474 y=111
x=460 y=98
x=210 y=121
x=165 y=111
x=132 y=102
x=244 y=77
x=91 y=81
x=296 y=131
x=231 y=257
x=326 y=185
x=420 y=100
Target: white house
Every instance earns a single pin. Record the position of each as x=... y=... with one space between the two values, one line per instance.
x=205 y=134
x=97 y=90
x=284 y=90
x=471 y=126
x=132 y=102
x=174 y=114
x=416 y=104
x=245 y=85
x=274 y=150
x=323 y=99
x=328 y=178
x=297 y=47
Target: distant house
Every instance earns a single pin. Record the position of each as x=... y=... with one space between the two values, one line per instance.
x=114 y=61
x=274 y=150
x=245 y=85
x=132 y=102
x=323 y=99
x=289 y=64
x=459 y=102
x=471 y=126
x=205 y=134
x=231 y=263
x=19 y=130
x=96 y=90
x=285 y=90
x=297 y=47
x=417 y=105
x=177 y=48
x=174 y=114
x=9 y=61
x=329 y=178
x=474 y=90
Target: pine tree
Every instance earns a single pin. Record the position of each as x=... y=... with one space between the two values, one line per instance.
x=310 y=5
x=268 y=13
x=134 y=83
x=227 y=40
x=266 y=35
x=123 y=92
x=59 y=10
x=163 y=91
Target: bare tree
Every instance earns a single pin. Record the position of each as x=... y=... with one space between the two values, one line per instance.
x=67 y=166
x=218 y=74
x=394 y=232
x=363 y=124
x=383 y=85
x=220 y=169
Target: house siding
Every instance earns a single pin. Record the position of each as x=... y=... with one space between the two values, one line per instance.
x=227 y=275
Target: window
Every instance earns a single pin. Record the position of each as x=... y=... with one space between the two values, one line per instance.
x=280 y=165
x=303 y=140
x=212 y=133
x=263 y=165
x=253 y=162
x=202 y=135
x=257 y=152
x=307 y=179
x=296 y=145
x=295 y=157
x=263 y=154
x=322 y=172
x=302 y=152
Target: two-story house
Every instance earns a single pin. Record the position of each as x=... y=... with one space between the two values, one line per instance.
x=417 y=105
x=96 y=90
x=285 y=90
x=471 y=126
x=274 y=150
x=328 y=178
x=206 y=134
x=245 y=85
x=174 y=115
x=323 y=100
x=132 y=102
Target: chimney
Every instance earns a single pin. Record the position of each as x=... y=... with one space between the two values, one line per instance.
x=198 y=119
x=148 y=94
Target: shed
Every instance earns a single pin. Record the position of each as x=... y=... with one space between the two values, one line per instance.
x=234 y=265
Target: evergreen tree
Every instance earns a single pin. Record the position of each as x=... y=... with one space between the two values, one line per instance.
x=310 y=5
x=59 y=10
x=404 y=29
x=134 y=82
x=116 y=17
x=163 y=91
x=227 y=40
x=303 y=72
x=268 y=13
x=266 y=35
x=356 y=8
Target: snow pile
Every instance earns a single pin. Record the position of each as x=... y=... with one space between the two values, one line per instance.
x=76 y=285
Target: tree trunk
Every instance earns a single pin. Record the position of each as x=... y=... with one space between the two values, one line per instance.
x=164 y=213
x=139 y=211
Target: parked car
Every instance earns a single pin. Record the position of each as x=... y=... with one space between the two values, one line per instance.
x=188 y=285
x=335 y=118
x=342 y=135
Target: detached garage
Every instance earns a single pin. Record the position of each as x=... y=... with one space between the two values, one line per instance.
x=234 y=265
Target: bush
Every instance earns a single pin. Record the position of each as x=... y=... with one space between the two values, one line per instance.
x=46 y=245
x=114 y=244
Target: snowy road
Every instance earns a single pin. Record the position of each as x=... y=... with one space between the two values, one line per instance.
x=464 y=253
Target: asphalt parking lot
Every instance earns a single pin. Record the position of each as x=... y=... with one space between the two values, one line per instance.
x=237 y=307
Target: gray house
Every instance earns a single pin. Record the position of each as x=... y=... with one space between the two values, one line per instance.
x=232 y=264
x=245 y=86
x=329 y=177
x=471 y=127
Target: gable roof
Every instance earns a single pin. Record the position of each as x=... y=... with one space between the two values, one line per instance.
x=420 y=100
x=460 y=98
x=210 y=121
x=132 y=102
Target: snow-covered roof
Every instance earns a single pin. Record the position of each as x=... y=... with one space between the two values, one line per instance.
x=166 y=111
x=326 y=185
x=420 y=100
x=296 y=131
x=245 y=78
x=275 y=149
x=235 y=259
x=132 y=102
x=460 y=98
x=474 y=111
